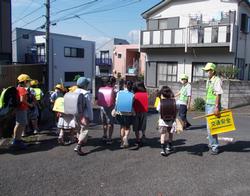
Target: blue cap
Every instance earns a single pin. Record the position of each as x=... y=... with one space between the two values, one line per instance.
x=83 y=81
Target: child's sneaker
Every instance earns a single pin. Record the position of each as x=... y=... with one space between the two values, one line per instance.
x=18 y=144
x=60 y=141
x=163 y=150
x=125 y=142
x=35 y=132
x=104 y=139
x=109 y=141
x=78 y=149
x=169 y=147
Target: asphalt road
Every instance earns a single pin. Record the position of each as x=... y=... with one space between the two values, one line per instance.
x=49 y=169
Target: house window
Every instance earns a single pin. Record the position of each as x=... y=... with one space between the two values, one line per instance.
x=74 y=52
x=72 y=76
x=119 y=55
x=198 y=73
x=152 y=24
x=41 y=53
x=104 y=54
x=151 y=70
x=167 y=72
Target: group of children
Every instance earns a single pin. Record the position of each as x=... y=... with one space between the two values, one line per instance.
x=126 y=105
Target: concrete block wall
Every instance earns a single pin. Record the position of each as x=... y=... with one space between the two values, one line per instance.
x=239 y=93
x=236 y=93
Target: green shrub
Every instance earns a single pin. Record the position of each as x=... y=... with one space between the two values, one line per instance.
x=227 y=72
x=199 y=104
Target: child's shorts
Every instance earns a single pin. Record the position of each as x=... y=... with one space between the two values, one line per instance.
x=66 y=121
x=125 y=121
x=106 y=115
x=140 y=122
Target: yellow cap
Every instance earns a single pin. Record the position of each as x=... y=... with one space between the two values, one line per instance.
x=209 y=66
x=184 y=77
x=34 y=82
x=59 y=86
x=23 y=77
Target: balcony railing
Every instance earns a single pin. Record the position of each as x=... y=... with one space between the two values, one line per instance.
x=103 y=61
x=215 y=35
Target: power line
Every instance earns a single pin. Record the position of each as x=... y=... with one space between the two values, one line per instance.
x=75 y=7
x=94 y=27
x=30 y=13
x=26 y=8
x=34 y=20
x=94 y=11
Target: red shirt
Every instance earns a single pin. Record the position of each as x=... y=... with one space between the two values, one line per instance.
x=22 y=92
x=141 y=102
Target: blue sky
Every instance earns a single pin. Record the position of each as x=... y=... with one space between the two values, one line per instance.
x=123 y=20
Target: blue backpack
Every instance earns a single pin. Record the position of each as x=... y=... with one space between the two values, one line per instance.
x=124 y=101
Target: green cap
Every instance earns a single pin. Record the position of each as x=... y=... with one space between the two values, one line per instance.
x=209 y=66
x=184 y=77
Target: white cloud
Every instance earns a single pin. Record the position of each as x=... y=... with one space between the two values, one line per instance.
x=133 y=36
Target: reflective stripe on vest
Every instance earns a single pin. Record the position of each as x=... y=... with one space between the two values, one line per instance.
x=183 y=95
x=38 y=92
x=210 y=94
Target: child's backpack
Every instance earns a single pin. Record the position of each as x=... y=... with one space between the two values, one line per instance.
x=9 y=100
x=124 y=101
x=168 y=109
x=59 y=105
x=74 y=103
x=106 y=96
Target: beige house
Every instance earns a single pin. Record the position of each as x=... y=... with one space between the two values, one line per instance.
x=182 y=35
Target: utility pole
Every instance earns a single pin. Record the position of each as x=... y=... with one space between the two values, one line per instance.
x=47 y=26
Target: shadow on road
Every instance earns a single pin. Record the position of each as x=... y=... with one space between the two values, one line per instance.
x=43 y=145
x=238 y=146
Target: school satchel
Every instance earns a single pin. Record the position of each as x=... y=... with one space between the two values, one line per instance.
x=168 y=109
x=124 y=101
x=74 y=103
x=9 y=100
x=106 y=96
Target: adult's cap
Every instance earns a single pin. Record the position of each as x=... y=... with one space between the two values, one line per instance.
x=184 y=77
x=83 y=81
x=209 y=66
x=23 y=77
x=34 y=82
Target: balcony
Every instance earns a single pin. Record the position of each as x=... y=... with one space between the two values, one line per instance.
x=103 y=61
x=196 y=36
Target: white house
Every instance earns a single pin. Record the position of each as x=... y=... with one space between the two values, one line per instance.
x=182 y=35
x=69 y=55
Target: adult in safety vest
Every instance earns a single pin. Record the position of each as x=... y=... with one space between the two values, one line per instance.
x=213 y=102
x=184 y=100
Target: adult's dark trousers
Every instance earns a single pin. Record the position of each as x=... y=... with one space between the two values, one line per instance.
x=183 y=115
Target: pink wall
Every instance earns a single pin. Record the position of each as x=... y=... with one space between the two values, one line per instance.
x=128 y=54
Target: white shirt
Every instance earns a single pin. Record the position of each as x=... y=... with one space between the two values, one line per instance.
x=217 y=86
